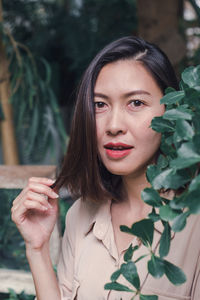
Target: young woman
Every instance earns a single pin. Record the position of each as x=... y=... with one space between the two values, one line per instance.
x=110 y=148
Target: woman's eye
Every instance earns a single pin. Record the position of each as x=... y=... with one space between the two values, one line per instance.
x=99 y=106
x=135 y=103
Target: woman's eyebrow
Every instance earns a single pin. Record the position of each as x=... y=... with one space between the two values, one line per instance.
x=126 y=95
x=136 y=92
x=100 y=95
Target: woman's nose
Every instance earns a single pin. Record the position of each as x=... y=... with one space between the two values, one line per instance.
x=116 y=123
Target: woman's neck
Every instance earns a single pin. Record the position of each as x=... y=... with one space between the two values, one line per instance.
x=133 y=186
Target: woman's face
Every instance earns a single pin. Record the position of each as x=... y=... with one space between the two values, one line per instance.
x=126 y=99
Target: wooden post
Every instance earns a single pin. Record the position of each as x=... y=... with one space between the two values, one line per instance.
x=9 y=145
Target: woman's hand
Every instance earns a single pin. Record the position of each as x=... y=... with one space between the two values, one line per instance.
x=34 y=212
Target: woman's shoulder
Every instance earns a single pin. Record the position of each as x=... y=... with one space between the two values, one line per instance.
x=81 y=207
x=81 y=214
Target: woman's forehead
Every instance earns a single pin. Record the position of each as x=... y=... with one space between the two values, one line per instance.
x=125 y=76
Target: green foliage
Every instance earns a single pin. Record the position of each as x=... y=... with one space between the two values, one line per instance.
x=36 y=111
x=21 y=296
x=12 y=248
x=143 y=229
x=68 y=36
x=177 y=169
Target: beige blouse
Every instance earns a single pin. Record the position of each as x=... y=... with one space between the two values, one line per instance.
x=89 y=257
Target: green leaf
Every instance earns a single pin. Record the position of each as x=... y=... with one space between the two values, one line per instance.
x=194 y=184
x=126 y=229
x=187 y=150
x=180 y=222
x=187 y=156
x=191 y=76
x=129 y=252
x=115 y=275
x=151 y=197
x=173 y=97
x=170 y=179
x=162 y=162
x=196 y=143
x=167 y=148
x=178 y=202
x=183 y=163
x=156 y=266
x=192 y=201
x=117 y=287
x=174 y=273
x=160 y=125
x=178 y=113
x=165 y=241
x=184 y=130
x=129 y=271
x=169 y=90
x=152 y=172
x=148 y=297
x=192 y=98
x=196 y=122
x=141 y=257
x=144 y=229
x=167 y=213
x=154 y=216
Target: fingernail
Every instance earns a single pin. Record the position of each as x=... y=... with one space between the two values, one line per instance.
x=54 y=195
x=51 y=180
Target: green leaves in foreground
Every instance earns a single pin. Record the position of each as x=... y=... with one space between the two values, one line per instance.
x=143 y=229
x=174 y=274
x=117 y=287
x=178 y=170
x=157 y=267
x=148 y=297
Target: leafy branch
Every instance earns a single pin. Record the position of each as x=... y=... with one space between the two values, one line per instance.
x=176 y=170
x=36 y=112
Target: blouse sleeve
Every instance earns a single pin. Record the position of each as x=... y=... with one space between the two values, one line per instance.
x=65 y=267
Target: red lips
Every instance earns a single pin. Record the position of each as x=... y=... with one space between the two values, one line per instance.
x=117 y=150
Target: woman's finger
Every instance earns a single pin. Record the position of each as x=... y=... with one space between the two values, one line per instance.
x=42 y=189
x=41 y=198
x=42 y=180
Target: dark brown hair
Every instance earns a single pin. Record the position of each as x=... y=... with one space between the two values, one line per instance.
x=83 y=172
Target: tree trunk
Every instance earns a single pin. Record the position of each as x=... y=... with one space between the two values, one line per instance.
x=8 y=140
x=159 y=24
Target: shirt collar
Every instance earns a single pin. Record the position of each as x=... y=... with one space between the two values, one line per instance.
x=101 y=220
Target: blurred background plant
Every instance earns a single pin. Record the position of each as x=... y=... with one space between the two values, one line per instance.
x=46 y=59
x=13 y=296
